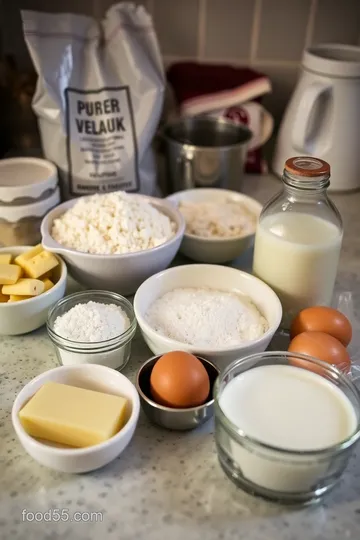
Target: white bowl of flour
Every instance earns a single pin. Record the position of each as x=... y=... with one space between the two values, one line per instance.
x=217 y=312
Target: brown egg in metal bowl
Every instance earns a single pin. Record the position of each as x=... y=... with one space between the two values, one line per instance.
x=175 y=418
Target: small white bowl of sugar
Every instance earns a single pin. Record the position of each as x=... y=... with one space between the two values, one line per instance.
x=220 y=224
x=92 y=327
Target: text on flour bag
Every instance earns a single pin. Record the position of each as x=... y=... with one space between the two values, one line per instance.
x=99 y=97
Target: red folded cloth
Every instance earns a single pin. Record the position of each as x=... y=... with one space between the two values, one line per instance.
x=200 y=88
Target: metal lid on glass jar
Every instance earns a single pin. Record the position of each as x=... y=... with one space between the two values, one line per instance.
x=307 y=167
x=25 y=180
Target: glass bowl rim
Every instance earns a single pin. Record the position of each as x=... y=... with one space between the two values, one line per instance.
x=240 y=436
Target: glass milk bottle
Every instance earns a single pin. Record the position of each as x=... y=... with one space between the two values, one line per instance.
x=298 y=238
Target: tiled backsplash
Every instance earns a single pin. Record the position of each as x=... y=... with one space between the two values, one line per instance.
x=267 y=34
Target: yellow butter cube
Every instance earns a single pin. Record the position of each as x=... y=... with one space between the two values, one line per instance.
x=27 y=255
x=40 y=264
x=73 y=416
x=5 y=258
x=3 y=298
x=9 y=274
x=17 y=298
x=48 y=284
x=25 y=287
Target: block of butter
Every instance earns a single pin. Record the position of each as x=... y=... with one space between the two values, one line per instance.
x=5 y=258
x=27 y=255
x=9 y=274
x=39 y=264
x=17 y=298
x=73 y=416
x=25 y=287
x=48 y=284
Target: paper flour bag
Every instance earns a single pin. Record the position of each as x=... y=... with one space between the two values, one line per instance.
x=98 y=98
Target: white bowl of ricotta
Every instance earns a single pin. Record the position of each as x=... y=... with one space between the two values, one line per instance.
x=220 y=224
x=114 y=241
x=217 y=312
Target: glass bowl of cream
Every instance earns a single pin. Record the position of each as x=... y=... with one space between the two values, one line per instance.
x=285 y=425
x=92 y=327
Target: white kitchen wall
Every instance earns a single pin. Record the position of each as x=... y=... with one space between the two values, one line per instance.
x=267 y=34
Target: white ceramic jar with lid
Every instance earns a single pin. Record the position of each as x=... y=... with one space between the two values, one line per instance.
x=298 y=238
x=28 y=190
x=24 y=180
x=20 y=225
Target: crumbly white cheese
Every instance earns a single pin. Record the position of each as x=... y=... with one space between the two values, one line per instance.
x=112 y=223
x=92 y=322
x=223 y=219
x=207 y=318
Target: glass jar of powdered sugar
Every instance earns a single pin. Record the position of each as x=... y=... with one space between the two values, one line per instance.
x=92 y=327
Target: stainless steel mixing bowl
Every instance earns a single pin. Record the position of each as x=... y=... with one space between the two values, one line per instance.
x=205 y=152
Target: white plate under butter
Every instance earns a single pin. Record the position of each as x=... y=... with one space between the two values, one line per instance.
x=79 y=460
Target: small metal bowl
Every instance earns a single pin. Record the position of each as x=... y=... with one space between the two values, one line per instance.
x=175 y=419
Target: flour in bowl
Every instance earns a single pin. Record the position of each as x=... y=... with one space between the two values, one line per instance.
x=112 y=223
x=206 y=318
x=92 y=322
x=222 y=219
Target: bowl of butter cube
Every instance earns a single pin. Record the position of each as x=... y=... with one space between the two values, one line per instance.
x=32 y=280
x=76 y=419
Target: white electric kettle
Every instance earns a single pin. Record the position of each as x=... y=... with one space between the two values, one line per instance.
x=322 y=118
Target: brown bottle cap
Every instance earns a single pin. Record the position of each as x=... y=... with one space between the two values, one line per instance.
x=307 y=166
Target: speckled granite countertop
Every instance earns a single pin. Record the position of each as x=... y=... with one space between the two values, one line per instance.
x=165 y=485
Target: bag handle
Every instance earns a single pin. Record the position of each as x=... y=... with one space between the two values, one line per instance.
x=305 y=108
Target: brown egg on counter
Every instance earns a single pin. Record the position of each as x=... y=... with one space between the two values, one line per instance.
x=322 y=319
x=321 y=346
x=179 y=380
